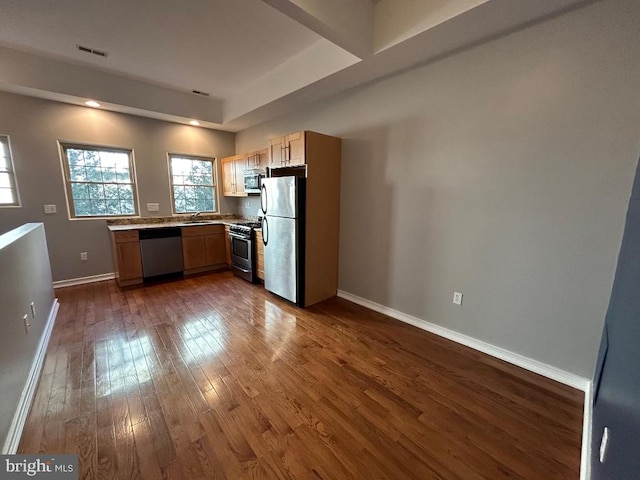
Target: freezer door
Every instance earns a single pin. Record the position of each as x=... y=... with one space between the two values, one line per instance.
x=280 y=257
x=278 y=197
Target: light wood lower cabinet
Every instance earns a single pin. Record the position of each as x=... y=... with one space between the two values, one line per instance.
x=227 y=245
x=127 y=258
x=259 y=255
x=203 y=248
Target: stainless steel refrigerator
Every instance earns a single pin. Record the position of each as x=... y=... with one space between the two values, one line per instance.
x=282 y=203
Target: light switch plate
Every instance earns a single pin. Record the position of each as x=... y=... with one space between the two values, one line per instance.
x=50 y=209
x=153 y=207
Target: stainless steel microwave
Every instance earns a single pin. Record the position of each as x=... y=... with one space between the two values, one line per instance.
x=252 y=179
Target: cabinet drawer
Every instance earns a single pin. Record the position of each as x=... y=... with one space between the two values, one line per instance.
x=196 y=231
x=126 y=236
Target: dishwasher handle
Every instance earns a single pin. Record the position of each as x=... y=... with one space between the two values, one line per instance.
x=162 y=232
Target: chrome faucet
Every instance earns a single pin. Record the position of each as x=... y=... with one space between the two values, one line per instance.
x=194 y=217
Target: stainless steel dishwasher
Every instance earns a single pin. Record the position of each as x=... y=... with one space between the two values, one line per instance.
x=161 y=250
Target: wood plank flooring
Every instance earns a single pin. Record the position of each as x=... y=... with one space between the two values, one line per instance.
x=213 y=378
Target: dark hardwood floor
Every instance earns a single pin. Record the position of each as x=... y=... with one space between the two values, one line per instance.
x=211 y=377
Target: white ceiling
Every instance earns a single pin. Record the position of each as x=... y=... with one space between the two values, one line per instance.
x=256 y=58
x=214 y=46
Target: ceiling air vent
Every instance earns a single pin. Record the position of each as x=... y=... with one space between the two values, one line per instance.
x=93 y=51
x=201 y=93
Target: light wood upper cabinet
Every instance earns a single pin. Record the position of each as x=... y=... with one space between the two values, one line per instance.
x=228 y=177
x=276 y=152
x=287 y=151
x=258 y=159
x=239 y=166
x=294 y=149
x=233 y=176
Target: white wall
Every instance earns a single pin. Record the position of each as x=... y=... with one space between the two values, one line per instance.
x=504 y=172
x=35 y=126
x=25 y=277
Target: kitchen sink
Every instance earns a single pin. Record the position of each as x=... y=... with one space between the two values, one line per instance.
x=199 y=222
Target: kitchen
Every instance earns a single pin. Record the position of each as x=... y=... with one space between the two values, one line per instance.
x=291 y=245
x=491 y=156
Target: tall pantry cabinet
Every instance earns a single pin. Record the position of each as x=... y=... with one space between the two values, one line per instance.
x=318 y=157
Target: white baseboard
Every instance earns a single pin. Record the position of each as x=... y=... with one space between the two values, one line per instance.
x=82 y=280
x=17 y=424
x=587 y=422
x=562 y=376
x=527 y=363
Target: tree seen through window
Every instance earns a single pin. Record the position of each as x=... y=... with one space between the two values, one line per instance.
x=100 y=182
x=193 y=184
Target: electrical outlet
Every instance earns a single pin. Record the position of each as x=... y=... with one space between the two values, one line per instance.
x=83 y=256
x=457 y=298
x=33 y=310
x=153 y=207
x=50 y=209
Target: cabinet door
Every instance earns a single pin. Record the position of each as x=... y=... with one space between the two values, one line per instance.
x=194 y=252
x=259 y=256
x=262 y=158
x=215 y=250
x=258 y=159
x=227 y=245
x=276 y=152
x=129 y=260
x=239 y=166
x=228 y=177
x=294 y=148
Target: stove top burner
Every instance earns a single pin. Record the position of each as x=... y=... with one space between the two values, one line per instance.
x=244 y=226
x=247 y=223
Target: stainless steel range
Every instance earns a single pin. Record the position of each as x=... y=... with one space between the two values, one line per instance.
x=243 y=250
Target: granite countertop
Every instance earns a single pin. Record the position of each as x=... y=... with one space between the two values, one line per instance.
x=142 y=223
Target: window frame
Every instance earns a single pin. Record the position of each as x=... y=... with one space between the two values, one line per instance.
x=214 y=186
x=13 y=177
x=66 y=176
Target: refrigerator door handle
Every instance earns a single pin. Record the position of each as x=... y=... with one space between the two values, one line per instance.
x=263 y=199
x=265 y=231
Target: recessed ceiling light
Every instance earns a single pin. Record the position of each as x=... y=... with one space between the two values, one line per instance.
x=92 y=103
x=195 y=123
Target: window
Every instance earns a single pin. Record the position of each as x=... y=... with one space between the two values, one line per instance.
x=8 y=186
x=100 y=181
x=192 y=184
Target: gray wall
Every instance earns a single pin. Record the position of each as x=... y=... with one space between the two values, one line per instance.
x=503 y=172
x=35 y=126
x=25 y=277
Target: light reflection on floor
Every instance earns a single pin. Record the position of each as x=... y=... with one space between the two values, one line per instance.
x=279 y=326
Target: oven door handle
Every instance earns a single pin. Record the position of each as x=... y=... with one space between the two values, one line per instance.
x=239 y=236
x=265 y=231
x=244 y=270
